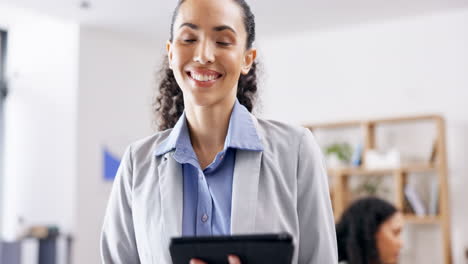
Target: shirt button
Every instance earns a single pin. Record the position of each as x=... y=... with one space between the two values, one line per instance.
x=204 y=218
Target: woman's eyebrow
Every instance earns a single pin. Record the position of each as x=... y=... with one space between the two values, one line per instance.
x=224 y=27
x=217 y=28
x=190 y=25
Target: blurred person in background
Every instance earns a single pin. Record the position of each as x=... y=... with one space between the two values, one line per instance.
x=369 y=232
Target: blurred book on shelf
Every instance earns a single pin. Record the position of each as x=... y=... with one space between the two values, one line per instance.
x=434 y=198
x=414 y=200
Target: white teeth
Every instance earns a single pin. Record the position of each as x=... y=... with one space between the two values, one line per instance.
x=202 y=78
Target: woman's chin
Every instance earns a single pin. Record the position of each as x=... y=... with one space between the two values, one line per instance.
x=210 y=100
x=390 y=261
x=202 y=99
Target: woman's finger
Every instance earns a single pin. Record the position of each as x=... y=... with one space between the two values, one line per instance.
x=233 y=259
x=197 y=261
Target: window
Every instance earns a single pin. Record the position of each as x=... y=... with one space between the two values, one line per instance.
x=3 y=94
x=3 y=88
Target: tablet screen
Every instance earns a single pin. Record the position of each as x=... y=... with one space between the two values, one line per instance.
x=251 y=249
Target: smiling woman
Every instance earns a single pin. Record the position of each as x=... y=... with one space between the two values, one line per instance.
x=170 y=102
x=214 y=168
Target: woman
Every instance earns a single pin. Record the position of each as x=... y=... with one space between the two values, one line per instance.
x=215 y=169
x=369 y=232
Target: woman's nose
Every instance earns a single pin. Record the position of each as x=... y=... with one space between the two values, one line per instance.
x=400 y=243
x=204 y=53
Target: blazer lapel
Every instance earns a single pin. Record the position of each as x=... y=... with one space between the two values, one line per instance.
x=244 y=191
x=171 y=190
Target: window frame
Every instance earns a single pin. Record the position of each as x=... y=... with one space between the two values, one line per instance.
x=3 y=95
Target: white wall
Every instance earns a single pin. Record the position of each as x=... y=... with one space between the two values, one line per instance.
x=74 y=90
x=406 y=66
x=40 y=120
x=116 y=86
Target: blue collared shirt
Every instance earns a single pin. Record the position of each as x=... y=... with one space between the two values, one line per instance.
x=208 y=192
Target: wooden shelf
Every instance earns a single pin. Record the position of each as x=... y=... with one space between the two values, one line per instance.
x=428 y=219
x=410 y=168
x=357 y=123
x=340 y=177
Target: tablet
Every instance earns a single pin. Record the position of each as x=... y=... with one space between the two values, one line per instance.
x=251 y=249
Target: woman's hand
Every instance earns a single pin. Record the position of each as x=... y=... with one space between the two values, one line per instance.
x=231 y=258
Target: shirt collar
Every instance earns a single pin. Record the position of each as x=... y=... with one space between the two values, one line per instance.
x=241 y=134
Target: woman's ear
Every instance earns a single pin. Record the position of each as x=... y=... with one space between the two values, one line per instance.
x=169 y=53
x=249 y=58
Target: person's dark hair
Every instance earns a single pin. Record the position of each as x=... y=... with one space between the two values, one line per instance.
x=356 y=231
x=169 y=103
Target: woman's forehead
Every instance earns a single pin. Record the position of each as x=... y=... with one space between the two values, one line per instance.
x=396 y=220
x=210 y=14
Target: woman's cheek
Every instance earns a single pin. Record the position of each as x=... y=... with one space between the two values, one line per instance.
x=182 y=54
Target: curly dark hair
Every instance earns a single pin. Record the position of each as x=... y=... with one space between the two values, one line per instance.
x=169 y=104
x=356 y=231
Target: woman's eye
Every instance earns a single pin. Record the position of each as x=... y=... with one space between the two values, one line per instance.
x=189 y=40
x=223 y=43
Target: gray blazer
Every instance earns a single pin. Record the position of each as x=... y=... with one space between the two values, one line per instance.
x=282 y=189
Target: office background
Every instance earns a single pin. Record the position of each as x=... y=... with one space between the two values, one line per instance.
x=81 y=80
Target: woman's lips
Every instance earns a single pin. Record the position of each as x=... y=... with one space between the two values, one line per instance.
x=204 y=78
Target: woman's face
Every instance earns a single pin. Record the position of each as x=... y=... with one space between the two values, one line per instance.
x=388 y=238
x=208 y=52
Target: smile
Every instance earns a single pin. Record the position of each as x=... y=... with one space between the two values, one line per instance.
x=204 y=78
